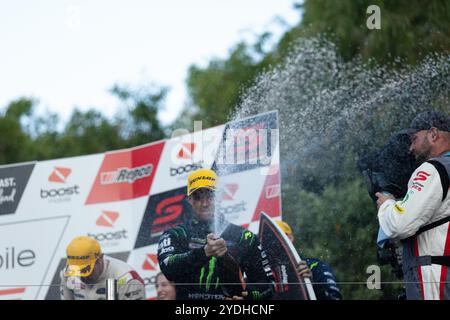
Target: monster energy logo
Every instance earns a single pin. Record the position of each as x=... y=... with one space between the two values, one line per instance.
x=256 y=295
x=245 y=236
x=211 y=269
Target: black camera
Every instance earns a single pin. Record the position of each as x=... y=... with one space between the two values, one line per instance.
x=391 y=253
x=389 y=170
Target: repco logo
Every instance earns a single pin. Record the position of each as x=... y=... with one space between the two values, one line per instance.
x=126 y=175
x=185 y=169
x=59 y=175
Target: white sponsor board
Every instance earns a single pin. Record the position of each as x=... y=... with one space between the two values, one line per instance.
x=27 y=253
x=125 y=199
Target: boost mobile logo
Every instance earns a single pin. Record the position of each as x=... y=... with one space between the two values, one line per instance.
x=151 y=262
x=229 y=191
x=186 y=151
x=272 y=191
x=107 y=219
x=59 y=175
x=128 y=175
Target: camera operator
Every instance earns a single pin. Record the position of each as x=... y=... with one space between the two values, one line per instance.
x=421 y=219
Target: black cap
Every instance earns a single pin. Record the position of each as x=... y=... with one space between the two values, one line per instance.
x=428 y=119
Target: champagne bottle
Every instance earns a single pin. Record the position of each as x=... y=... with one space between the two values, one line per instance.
x=231 y=276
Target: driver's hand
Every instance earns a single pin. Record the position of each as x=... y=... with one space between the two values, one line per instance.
x=243 y=295
x=303 y=270
x=215 y=247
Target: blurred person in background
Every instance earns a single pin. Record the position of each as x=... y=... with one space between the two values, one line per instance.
x=165 y=290
x=320 y=273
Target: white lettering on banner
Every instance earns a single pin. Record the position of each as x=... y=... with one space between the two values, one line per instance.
x=7 y=182
x=284 y=276
x=126 y=175
x=7 y=198
x=248 y=146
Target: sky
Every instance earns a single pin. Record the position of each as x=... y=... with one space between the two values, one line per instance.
x=69 y=53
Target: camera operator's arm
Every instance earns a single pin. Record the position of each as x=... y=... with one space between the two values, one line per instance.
x=401 y=219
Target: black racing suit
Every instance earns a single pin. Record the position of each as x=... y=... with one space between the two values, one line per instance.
x=183 y=261
x=324 y=281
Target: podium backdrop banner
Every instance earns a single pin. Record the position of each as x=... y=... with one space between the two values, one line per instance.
x=127 y=198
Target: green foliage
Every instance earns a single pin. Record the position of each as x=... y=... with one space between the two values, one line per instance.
x=140 y=124
x=28 y=137
x=216 y=89
x=339 y=226
x=409 y=29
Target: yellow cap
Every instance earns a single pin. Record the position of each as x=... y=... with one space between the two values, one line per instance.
x=284 y=226
x=201 y=178
x=82 y=253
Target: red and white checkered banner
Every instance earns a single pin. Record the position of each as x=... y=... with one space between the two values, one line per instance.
x=126 y=198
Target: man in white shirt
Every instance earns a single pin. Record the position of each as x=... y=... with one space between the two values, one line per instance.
x=421 y=219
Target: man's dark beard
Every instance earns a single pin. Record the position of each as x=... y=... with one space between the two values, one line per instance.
x=424 y=155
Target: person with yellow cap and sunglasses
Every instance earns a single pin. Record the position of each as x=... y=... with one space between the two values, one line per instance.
x=320 y=273
x=87 y=269
x=203 y=264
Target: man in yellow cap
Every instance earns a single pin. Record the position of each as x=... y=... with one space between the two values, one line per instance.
x=87 y=269
x=201 y=262
x=320 y=273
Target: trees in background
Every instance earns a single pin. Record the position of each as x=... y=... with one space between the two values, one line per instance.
x=26 y=136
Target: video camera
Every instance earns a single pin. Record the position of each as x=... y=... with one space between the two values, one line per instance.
x=388 y=170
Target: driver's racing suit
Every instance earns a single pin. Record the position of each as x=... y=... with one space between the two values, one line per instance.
x=183 y=261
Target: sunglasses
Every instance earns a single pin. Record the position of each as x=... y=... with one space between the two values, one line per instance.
x=203 y=194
